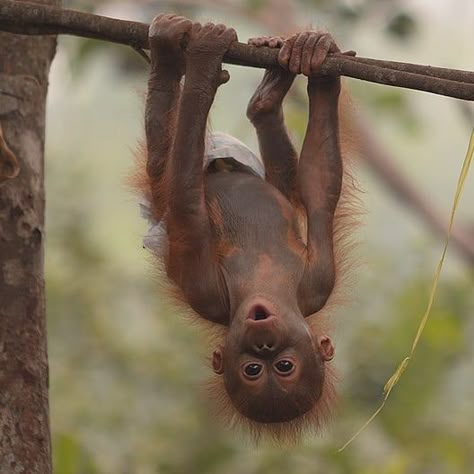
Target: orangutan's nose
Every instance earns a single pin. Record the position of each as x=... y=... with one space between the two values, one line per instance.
x=264 y=347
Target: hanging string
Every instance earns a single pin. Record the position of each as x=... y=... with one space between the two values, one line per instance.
x=394 y=379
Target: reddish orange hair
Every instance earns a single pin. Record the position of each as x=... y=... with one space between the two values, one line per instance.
x=346 y=218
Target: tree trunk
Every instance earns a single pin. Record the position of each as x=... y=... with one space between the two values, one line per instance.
x=25 y=445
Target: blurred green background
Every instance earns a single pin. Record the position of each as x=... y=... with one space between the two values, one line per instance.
x=126 y=369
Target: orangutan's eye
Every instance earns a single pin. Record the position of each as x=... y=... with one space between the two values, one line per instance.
x=284 y=367
x=252 y=370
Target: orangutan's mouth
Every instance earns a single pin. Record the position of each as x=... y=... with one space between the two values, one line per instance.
x=258 y=313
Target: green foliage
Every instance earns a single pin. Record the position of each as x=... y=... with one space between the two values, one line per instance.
x=70 y=457
x=402 y=25
x=256 y=5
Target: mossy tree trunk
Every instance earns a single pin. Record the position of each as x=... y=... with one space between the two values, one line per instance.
x=25 y=445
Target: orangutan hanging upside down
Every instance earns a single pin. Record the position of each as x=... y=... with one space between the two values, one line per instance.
x=249 y=246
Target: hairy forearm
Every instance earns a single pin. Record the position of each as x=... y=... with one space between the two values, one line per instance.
x=320 y=168
x=320 y=180
x=160 y=118
x=277 y=151
x=274 y=141
x=188 y=149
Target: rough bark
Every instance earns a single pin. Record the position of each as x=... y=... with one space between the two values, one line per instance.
x=25 y=445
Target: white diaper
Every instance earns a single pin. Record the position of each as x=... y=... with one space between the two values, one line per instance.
x=218 y=145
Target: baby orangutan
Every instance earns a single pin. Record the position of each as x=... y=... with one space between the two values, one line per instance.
x=249 y=248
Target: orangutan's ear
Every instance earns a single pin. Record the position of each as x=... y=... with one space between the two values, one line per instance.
x=218 y=361
x=326 y=348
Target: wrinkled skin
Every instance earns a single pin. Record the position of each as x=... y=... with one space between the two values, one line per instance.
x=237 y=249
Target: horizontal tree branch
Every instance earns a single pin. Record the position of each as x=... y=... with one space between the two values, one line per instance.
x=33 y=19
x=432 y=71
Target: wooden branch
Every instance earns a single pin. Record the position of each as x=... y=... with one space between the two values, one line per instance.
x=33 y=19
x=432 y=71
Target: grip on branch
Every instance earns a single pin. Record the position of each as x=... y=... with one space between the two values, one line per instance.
x=33 y=19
